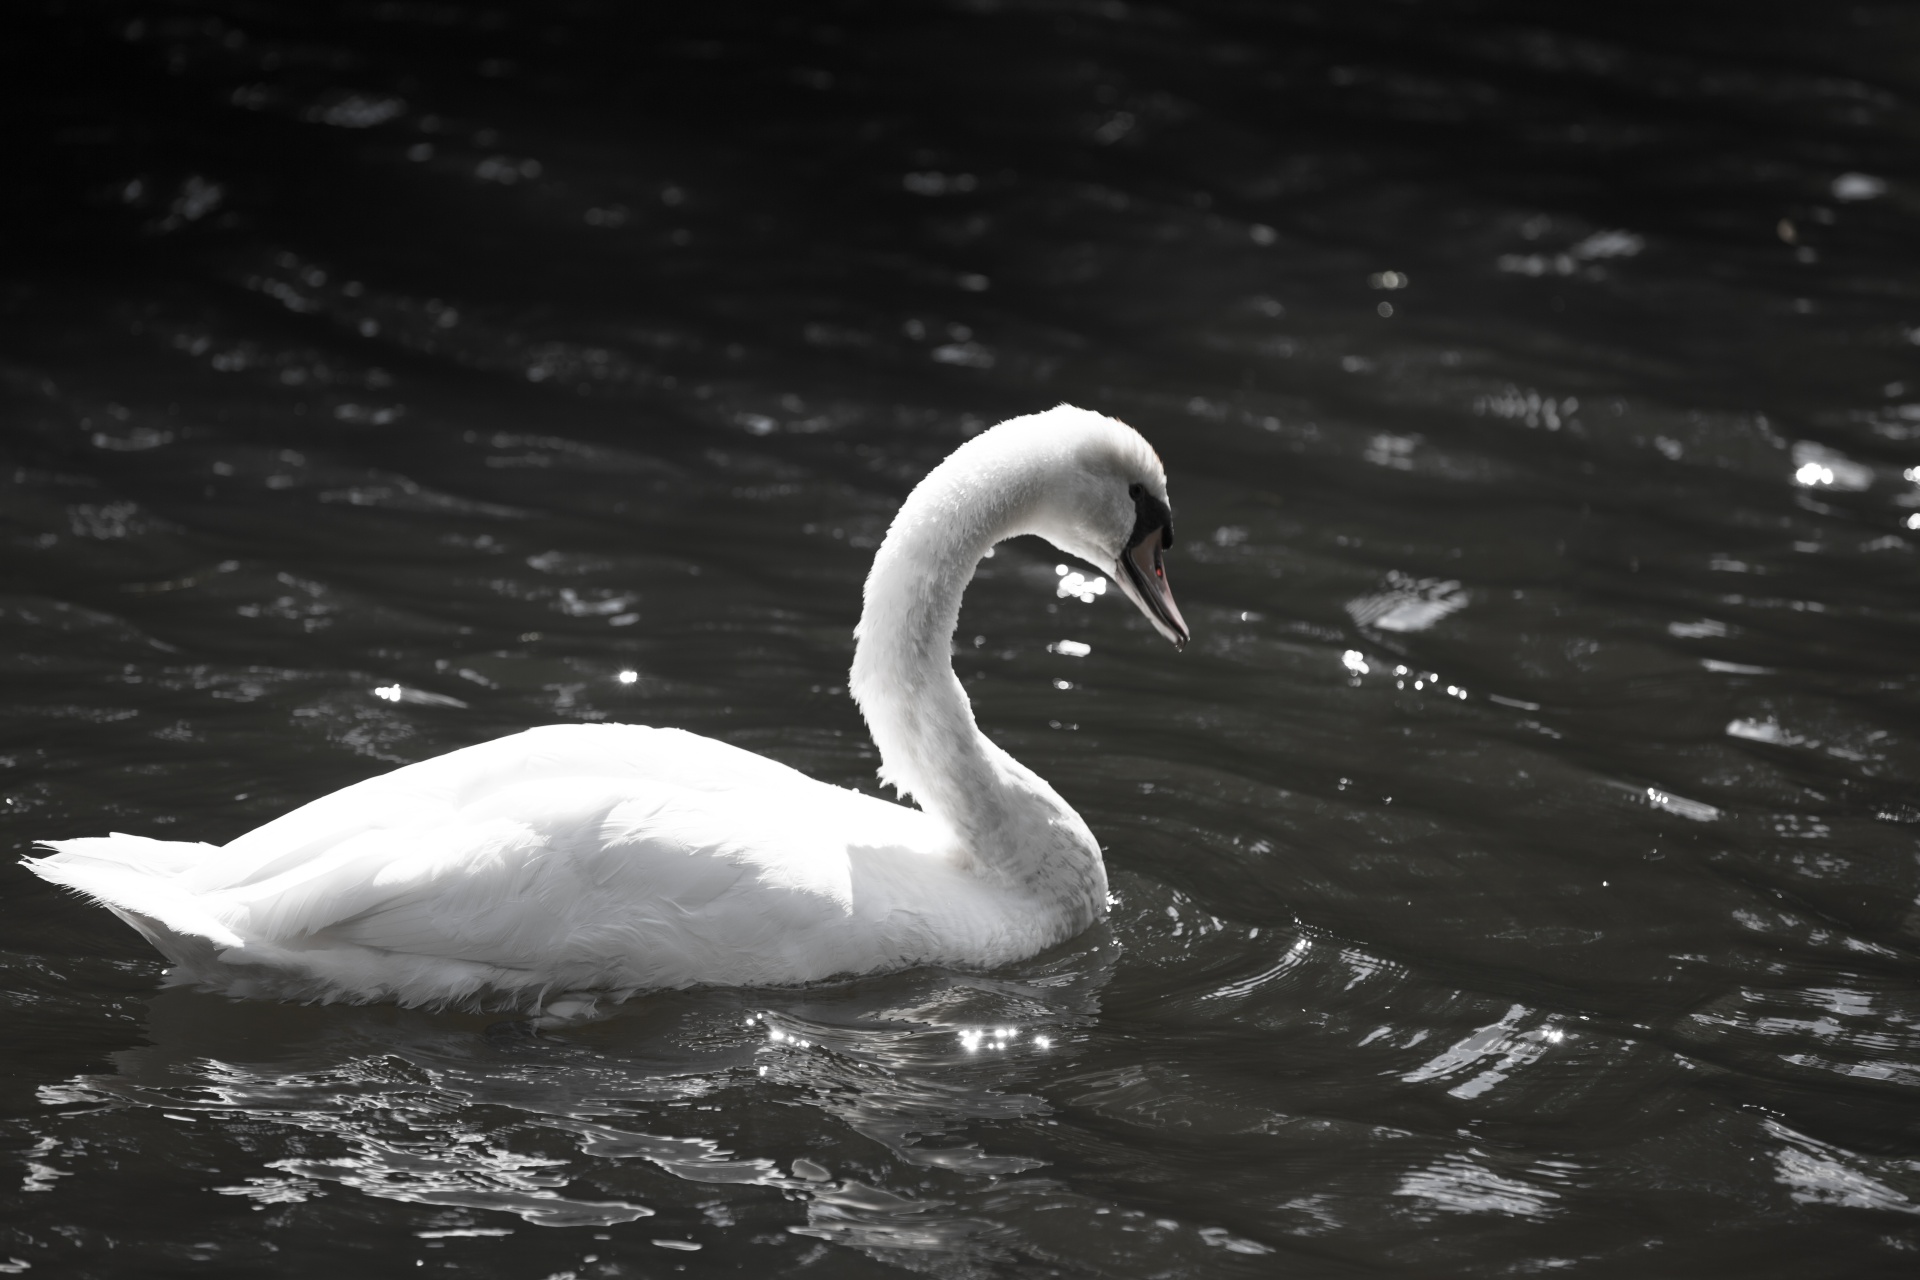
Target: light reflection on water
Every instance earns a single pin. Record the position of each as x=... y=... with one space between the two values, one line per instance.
x=438 y=1110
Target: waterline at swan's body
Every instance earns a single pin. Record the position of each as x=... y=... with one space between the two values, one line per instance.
x=575 y=861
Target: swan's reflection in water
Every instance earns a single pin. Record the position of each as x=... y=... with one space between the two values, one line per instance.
x=680 y=1101
x=968 y=1124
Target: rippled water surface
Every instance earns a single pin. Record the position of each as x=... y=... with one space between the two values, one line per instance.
x=1518 y=874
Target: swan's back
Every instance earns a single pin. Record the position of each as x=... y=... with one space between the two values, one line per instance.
x=570 y=857
x=452 y=782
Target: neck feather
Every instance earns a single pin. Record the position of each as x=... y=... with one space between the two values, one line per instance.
x=1006 y=821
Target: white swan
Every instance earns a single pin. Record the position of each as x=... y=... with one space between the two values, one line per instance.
x=547 y=870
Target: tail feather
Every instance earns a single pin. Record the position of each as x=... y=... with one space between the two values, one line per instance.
x=132 y=876
x=154 y=886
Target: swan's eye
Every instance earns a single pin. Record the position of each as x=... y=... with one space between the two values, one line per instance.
x=1149 y=513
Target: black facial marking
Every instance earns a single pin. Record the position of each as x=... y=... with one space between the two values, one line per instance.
x=1149 y=513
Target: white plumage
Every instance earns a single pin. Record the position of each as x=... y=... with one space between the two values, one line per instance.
x=548 y=870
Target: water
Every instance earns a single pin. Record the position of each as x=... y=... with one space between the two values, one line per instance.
x=1517 y=874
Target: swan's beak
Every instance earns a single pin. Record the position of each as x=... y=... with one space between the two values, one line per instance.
x=1143 y=576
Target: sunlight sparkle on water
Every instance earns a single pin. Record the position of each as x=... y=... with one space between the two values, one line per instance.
x=974 y=1039
x=1078 y=585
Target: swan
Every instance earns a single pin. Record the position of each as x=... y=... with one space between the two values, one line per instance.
x=547 y=871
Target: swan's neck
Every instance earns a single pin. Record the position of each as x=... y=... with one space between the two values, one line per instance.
x=1008 y=823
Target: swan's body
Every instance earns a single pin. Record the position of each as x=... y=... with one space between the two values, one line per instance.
x=545 y=869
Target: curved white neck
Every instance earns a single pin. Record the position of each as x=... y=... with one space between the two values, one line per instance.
x=1007 y=822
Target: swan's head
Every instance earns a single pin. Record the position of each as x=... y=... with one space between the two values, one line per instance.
x=1104 y=500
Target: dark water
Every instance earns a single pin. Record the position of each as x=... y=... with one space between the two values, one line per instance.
x=1518 y=874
